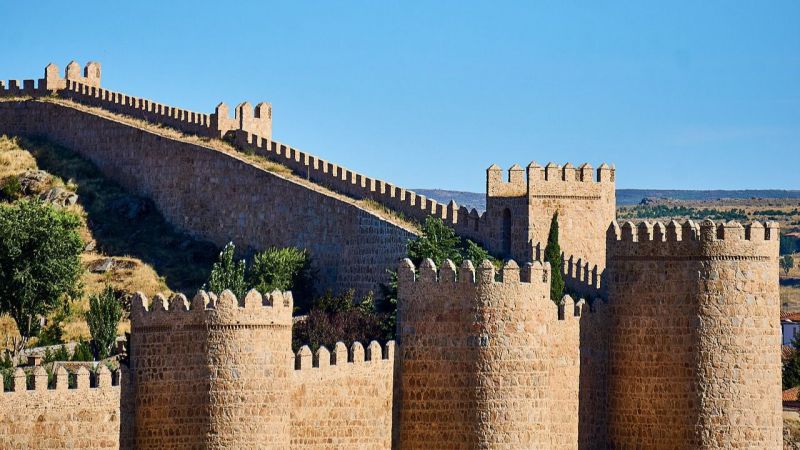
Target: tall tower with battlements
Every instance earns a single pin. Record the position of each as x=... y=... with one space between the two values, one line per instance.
x=477 y=364
x=519 y=209
x=694 y=341
x=214 y=373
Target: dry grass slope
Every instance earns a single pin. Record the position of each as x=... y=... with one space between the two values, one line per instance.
x=150 y=256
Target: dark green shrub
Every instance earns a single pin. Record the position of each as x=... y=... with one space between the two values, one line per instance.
x=552 y=254
x=103 y=317
x=39 y=261
x=335 y=318
x=59 y=354
x=228 y=274
x=83 y=352
x=11 y=188
x=283 y=269
x=439 y=242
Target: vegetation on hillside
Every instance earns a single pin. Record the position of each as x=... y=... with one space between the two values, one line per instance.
x=787 y=263
x=39 y=262
x=279 y=269
x=669 y=212
x=789 y=244
x=152 y=257
x=103 y=316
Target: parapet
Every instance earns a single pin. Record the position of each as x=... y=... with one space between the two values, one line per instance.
x=582 y=277
x=83 y=380
x=519 y=182
x=468 y=287
x=709 y=240
x=206 y=308
x=83 y=86
x=342 y=357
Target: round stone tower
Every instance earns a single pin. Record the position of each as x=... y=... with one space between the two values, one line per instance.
x=476 y=363
x=214 y=375
x=250 y=360
x=695 y=338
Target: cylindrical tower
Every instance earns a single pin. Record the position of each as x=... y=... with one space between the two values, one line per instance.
x=695 y=339
x=215 y=375
x=169 y=373
x=477 y=366
x=250 y=360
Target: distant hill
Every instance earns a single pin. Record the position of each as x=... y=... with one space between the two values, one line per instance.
x=624 y=196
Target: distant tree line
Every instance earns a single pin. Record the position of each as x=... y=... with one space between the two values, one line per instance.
x=665 y=211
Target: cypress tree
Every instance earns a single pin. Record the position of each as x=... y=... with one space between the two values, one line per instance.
x=552 y=254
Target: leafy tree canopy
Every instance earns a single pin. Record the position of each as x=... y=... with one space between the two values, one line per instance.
x=39 y=261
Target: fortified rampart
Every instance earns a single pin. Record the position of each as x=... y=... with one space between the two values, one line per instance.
x=676 y=347
x=86 y=89
x=220 y=197
x=485 y=363
x=219 y=373
x=343 y=399
x=695 y=343
x=90 y=414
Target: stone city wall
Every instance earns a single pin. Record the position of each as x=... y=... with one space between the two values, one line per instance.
x=213 y=373
x=343 y=399
x=86 y=89
x=87 y=416
x=220 y=197
x=695 y=339
x=485 y=363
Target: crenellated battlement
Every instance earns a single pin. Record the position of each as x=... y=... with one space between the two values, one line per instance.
x=84 y=87
x=341 y=356
x=520 y=182
x=534 y=274
x=254 y=309
x=648 y=240
x=582 y=277
x=84 y=380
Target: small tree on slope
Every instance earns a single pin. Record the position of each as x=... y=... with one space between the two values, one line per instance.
x=228 y=274
x=39 y=262
x=552 y=254
x=103 y=317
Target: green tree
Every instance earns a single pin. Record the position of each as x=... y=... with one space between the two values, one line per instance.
x=552 y=254
x=82 y=352
x=787 y=263
x=437 y=242
x=39 y=262
x=283 y=269
x=228 y=274
x=103 y=318
x=791 y=368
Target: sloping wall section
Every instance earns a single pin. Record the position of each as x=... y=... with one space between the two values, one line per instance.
x=219 y=197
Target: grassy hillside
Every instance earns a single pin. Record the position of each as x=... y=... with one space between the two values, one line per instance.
x=128 y=244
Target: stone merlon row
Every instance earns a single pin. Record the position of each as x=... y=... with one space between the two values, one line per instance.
x=533 y=273
x=104 y=379
x=86 y=90
x=689 y=231
x=341 y=356
x=519 y=180
x=275 y=307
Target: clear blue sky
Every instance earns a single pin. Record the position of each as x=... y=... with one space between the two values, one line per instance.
x=683 y=95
